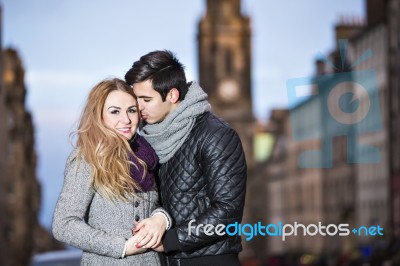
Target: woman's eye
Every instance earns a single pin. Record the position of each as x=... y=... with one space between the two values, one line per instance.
x=114 y=112
x=132 y=111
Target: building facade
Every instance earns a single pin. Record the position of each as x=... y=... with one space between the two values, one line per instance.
x=22 y=187
x=21 y=233
x=347 y=184
x=224 y=55
x=4 y=218
x=393 y=21
x=372 y=179
x=224 y=49
x=275 y=172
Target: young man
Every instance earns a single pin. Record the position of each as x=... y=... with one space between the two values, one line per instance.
x=202 y=175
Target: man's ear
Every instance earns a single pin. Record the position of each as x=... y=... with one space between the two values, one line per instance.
x=173 y=95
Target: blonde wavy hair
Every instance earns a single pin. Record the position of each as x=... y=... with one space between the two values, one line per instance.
x=105 y=150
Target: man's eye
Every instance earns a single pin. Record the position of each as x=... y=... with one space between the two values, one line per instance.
x=146 y=100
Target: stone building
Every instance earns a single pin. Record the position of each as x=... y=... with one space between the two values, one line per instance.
x=275 y=172
x=22 y=195
x=4 y=220
x=393 y=21
x=302 y=185
x=345 y=185
x=224 y=55
x=353 y=184
x=224 y=49
x=339 y=137
x=372 y=179
x=21 y=233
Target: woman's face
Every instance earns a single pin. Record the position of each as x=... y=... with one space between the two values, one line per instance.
x=120 y=112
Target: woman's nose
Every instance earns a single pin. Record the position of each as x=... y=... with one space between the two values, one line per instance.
x=126 y=119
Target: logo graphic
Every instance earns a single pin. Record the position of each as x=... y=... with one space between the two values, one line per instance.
x=340 y=104
x=281 y=230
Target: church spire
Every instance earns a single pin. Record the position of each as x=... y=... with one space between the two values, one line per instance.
x=221 y=10
x=224 y=41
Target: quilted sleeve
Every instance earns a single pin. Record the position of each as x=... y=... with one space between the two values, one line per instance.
x=223 y=162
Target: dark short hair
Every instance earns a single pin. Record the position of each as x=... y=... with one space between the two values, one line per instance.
x=163 y=69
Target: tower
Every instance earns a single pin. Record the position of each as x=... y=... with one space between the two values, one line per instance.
x=4 y=206
x=225 y=66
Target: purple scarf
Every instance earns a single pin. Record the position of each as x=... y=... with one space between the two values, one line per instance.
x=146 y=153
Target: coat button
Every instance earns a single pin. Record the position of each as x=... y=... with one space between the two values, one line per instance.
x=137 y=218
x=136 y=203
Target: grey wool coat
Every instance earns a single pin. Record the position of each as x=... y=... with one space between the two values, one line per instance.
x=86 y=220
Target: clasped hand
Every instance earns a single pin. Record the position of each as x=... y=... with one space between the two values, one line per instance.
x=147 y=234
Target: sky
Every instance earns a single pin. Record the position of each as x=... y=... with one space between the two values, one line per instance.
x=67 y=46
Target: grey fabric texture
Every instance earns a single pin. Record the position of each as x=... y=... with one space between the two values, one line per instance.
x=168 y=136
x=86 y=220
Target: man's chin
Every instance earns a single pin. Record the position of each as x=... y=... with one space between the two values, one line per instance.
x=147 y=121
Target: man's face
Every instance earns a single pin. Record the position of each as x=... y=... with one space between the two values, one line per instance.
x=152 y=108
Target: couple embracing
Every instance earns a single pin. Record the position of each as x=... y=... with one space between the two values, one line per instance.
x=151 y=158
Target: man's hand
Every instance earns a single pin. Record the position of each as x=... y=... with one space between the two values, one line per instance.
x=159 y=248
x=150 y=231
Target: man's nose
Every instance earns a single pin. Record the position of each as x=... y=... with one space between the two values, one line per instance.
x=141 y=105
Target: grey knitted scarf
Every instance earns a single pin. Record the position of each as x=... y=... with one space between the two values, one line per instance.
x=168 y=136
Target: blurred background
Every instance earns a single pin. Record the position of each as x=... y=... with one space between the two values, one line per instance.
x=270 y=69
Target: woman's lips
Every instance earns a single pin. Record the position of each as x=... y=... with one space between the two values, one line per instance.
x=124 y=130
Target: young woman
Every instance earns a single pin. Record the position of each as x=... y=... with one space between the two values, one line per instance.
x=109 y=184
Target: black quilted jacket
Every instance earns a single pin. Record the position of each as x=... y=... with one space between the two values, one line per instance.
x=205 y=181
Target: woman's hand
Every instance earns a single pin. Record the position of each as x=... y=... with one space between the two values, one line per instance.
x=150 y=231
x=132 y=247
